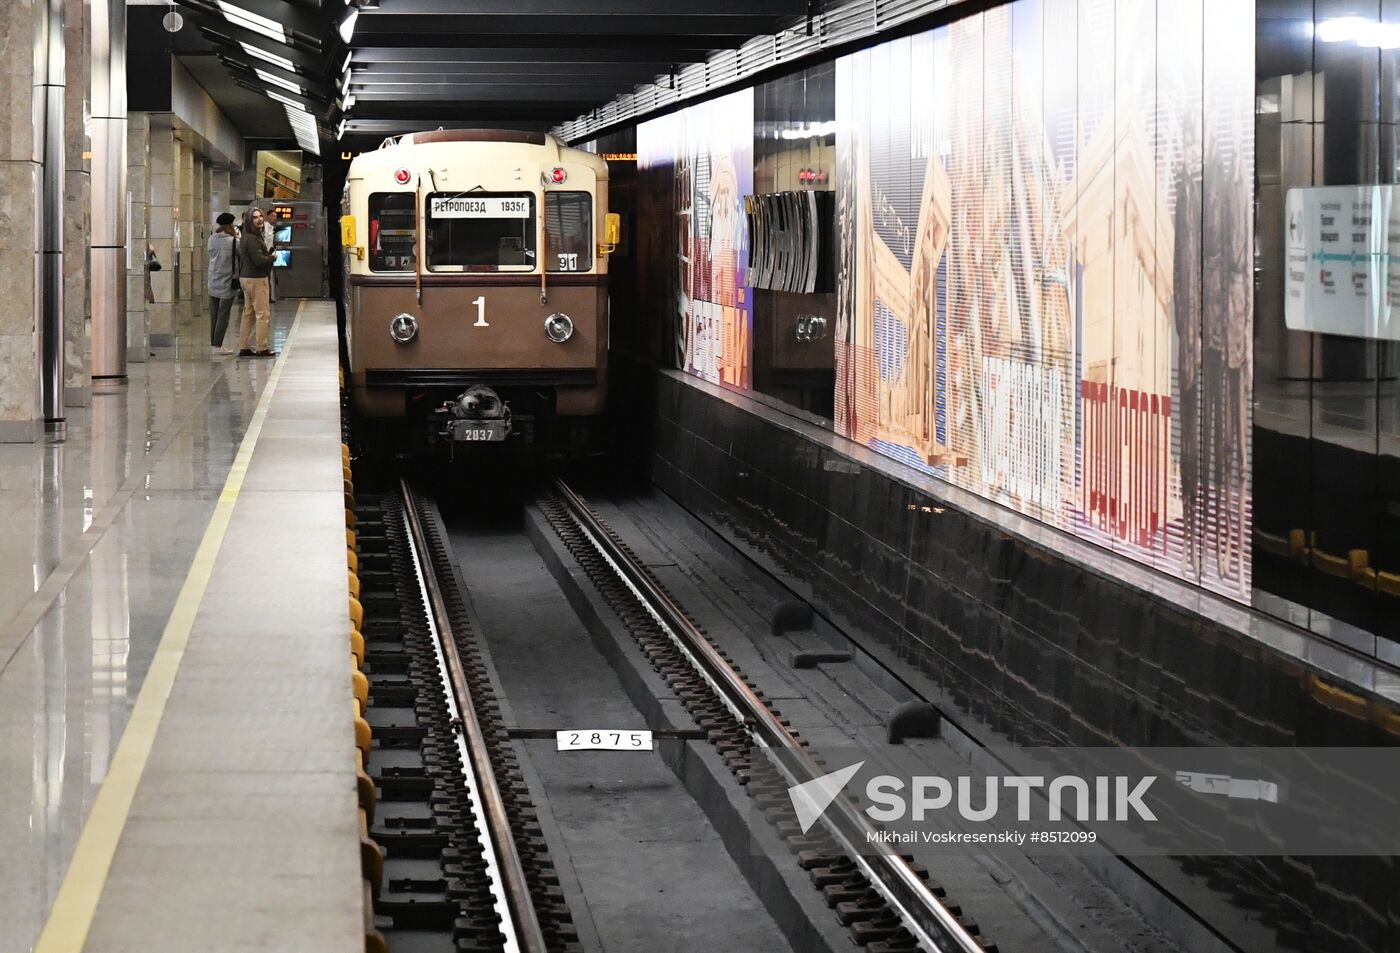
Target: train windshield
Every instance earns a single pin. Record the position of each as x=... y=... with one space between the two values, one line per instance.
x=392 y=232
x=481 y=231
x=568 y=223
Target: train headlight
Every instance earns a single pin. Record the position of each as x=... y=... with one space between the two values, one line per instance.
x=403 y=328
x=558 y=327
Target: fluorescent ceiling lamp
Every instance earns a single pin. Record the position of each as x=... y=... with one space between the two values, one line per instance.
x=347 y=26
x=267 y=57
x=276 y=80
x=251 y=21
x=349 y=54
x=809 y=130
x=345 y=82
x=1361 y=31
x=307 y=133
x=340 y=131
x=283 y=99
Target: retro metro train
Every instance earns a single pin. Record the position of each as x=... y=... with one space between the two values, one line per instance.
x=476 y=286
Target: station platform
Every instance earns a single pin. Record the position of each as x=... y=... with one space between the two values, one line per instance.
x=177 y=738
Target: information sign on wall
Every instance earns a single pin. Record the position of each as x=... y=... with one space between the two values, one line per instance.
x=1343 y=248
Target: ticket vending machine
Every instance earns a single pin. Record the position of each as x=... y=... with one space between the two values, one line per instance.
x=299 y=250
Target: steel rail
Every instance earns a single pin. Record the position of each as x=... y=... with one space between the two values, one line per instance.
x=931 y=923
x=521 y=907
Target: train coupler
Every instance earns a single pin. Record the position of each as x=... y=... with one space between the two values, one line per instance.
x=475 y=416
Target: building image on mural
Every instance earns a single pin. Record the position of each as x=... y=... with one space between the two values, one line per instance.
x=897 y=233
x=1044 y=290
x=709 y=150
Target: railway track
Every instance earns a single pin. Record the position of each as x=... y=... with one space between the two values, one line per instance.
x=465 y=867
x=889 y=903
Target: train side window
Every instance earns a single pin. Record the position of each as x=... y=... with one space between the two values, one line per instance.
x=392 y=235
x=568 y=222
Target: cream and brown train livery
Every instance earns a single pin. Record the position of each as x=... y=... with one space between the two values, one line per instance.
x=476 y=282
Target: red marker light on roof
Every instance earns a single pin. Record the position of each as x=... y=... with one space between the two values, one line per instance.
x=401 y=176
x=558 y=176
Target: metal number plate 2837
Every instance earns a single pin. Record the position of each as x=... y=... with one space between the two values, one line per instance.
x=477 y=431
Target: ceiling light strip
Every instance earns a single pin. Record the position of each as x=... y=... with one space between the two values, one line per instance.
x=253 y=22
x=276 y=80
x=267 y=57
x=851 y=21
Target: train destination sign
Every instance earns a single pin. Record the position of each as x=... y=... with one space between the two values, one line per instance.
x=468 y=206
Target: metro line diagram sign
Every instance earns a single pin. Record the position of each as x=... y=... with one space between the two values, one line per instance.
x=1343 y=251
x=469 y=207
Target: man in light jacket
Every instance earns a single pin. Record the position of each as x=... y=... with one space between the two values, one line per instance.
x=223 y=278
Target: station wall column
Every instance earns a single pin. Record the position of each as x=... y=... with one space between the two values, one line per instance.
x=160 y=311
x=218 y=192
x=138 y=184
x=184 y=236
x=108 y=265
x=20 y=183
x=77 y=199
x=50 y=144
x=199 y=257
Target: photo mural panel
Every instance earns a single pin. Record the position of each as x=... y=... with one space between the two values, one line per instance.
x=1043 y=287
x=706 y=152
x=1227 y=299
x=1044 y=291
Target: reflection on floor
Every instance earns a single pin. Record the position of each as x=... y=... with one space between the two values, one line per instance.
x=99 y=531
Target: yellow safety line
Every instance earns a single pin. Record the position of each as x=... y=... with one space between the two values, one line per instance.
x=73 y=910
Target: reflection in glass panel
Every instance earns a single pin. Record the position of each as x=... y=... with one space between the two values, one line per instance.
x=630 y=331
x=1327 y=446
x=795 y=153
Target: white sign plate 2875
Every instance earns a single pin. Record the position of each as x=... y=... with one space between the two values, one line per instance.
x=599 y=739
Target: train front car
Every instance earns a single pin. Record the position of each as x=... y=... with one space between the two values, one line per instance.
x=476 y=287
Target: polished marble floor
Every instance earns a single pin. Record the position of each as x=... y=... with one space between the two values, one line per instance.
x=96 y=535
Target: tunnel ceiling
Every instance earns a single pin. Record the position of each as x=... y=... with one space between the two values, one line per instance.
x=531 y=62
x=374 y=69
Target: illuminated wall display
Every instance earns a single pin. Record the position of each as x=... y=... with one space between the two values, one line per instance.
x=1044 y=246
x=710 y=149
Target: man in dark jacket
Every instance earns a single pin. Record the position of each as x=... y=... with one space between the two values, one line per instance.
x=254 y=271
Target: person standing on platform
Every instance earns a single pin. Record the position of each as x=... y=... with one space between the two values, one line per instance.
x=270 y=233
x=254 y=269
x=223 y=279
